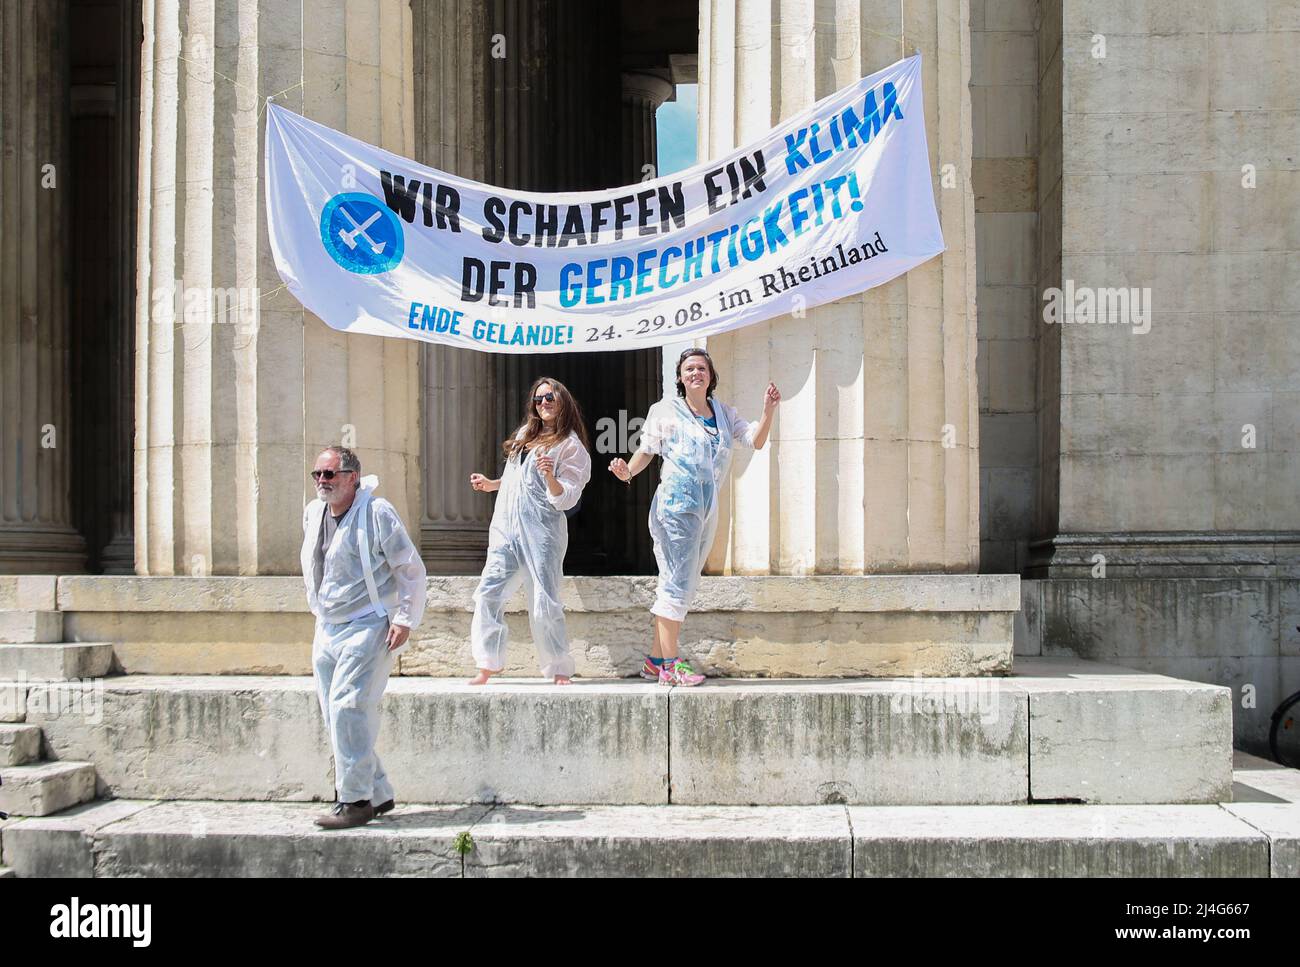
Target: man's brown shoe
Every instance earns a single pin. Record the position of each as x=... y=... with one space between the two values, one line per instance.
x=346 y=815
x=385 y=807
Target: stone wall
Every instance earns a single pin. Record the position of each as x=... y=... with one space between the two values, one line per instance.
x=1005 y=78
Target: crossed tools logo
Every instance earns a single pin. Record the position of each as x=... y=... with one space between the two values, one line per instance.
x=361 y=233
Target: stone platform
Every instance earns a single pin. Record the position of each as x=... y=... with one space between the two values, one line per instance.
x=1257 y=836
x=1056 y=730
x=746 y=627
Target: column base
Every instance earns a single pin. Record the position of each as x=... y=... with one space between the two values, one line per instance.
x=118 y=555
x=461 y=549
x=41 y=550
x=1168 y=554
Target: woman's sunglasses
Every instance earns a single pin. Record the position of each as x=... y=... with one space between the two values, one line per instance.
x=327 y=474
x=544 y=398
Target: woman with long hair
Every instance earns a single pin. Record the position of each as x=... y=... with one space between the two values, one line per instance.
x=694 y=434
x=547 y=465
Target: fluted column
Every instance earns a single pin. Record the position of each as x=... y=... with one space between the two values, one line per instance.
x=638 y=372
x=118 y=555
x=873 y=465
x=458 y=405
x=36 y=514
x=237 y=393
x=642 y=96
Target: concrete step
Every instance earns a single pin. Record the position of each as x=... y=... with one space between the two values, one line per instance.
x=7 y=873
x=208 y=839
x=45 y=787
x=13 y=702
x=31 y=626
x=1057 y=730
x=55 y=662
x=19 y=744
x=818 y=626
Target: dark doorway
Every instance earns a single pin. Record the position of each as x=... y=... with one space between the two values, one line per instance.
x=105 y=38
x=559 y=97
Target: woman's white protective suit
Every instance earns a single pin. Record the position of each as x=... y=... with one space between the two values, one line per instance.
x=526 y=544
x=371 y=574
x=684 y=512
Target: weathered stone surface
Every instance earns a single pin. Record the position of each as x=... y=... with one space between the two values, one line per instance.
x=28 y=592
x=815 y=626
x=1234 y=632
x=1280 y=822
x=1262 y=780
x=1037 y=841
x=280 y=839
x=526 y=742
x=741 y=644
x=46 y=787
x=7 y=873
x=55 y=662
x=194 y=738
x=732 y=742
x=193 y=839
x=1112 y=735
x=13 y=701
x=19 y=744
x=849 y=742
x=820 y=592
x=30 y=626
x=442 y=741
x=661 y=841
x=128 y=593
x=61 y=845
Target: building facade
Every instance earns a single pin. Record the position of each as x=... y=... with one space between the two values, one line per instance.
x=1138 y=472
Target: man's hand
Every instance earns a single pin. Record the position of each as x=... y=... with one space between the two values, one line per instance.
x=397 y=635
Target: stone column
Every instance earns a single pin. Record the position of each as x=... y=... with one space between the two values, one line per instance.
x=118 y=555
x=642 y=96
x=36 y=523
x=232 y=404
x=873 y=463
x=458 y=407
x=639 y=371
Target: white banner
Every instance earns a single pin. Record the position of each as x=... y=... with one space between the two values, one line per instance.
x=832 y=202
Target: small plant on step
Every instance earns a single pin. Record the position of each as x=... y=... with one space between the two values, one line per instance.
x=463 y=843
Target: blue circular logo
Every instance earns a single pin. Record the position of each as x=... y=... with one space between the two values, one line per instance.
x=361 y=233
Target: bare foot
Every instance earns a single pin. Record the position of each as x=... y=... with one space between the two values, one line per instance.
x=482 y=677
x=563 y=680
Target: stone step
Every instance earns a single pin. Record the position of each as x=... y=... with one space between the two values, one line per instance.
x=19 y=744
x=7 y=873
x=232 y=839
x=741 y=626
x=1057 y=730
x=55 y=662
x=13 y=702
x=25 y=627
x=45 y=787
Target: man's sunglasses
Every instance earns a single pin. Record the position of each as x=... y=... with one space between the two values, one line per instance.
x=544 y=398
x=327 y=474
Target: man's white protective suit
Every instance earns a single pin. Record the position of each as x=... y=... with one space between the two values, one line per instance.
x=684 y=512
x=370 y=575
x=526 y=544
